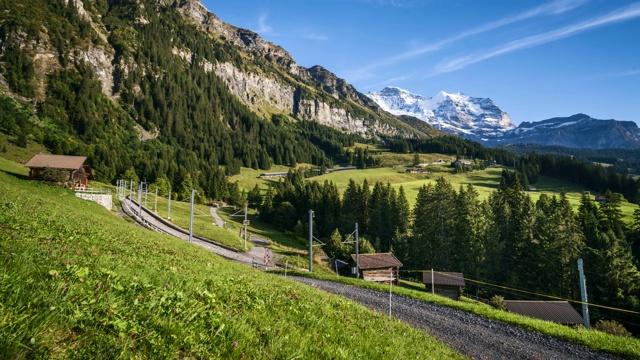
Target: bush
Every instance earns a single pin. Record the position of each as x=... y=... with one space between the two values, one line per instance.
x=611 y=327
x=497 y=302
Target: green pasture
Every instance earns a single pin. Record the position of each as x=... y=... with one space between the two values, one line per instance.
x=79 y=282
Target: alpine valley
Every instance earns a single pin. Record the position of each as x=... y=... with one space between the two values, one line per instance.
x=481 y=120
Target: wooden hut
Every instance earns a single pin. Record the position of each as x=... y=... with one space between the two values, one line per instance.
x=72 y=170
x=378 y=268
x=448 y=284
x=560 y=312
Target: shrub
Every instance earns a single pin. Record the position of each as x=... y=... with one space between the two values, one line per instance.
x=611 y=327
x=497 y=302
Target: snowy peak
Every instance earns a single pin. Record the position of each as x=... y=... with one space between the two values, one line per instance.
x=456 y=113
x=577 y=131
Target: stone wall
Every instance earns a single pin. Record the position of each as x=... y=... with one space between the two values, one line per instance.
x=102 y=199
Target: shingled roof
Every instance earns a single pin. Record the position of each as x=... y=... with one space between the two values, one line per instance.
x=557 y=311
x=56 y=162
x=443 y=278
x=376 y=261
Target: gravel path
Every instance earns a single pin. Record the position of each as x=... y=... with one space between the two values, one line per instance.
x=217 y=218
x=469 y=334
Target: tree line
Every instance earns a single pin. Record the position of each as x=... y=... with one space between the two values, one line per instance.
x=506 y=239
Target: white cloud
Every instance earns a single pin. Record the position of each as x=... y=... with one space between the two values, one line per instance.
x=263 y=27
x=622 y=14
x=313 y=36
x=630 y=73
x=552 y=8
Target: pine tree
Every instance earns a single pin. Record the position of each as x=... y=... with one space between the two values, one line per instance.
x=470 y=232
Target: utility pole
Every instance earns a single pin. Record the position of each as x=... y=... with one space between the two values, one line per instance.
x=583 y=295
x=311 y=214
x=169 y=206
x=245 y=222
x=193 y=192
x=140 y=202
x=310 y=240
x=357 y=255
x=390 y=288
x=130 y=194
x=357 y=250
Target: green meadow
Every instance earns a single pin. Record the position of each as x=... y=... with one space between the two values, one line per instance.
x=79 y=282
x=485 y=181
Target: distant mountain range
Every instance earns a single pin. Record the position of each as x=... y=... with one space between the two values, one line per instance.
x=480 y=119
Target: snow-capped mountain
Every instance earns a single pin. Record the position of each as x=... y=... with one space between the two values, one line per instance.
x=473 y=118
x=577 y=131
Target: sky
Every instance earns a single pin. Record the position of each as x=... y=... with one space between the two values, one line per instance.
x=535 y=59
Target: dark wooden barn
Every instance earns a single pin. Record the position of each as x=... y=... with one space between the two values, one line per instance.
x=448 y=284
x=378 y=268
x=560 y=312
x=72 y=170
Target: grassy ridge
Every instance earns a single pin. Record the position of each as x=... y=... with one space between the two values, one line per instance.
x=624 y=347
x=78 y=282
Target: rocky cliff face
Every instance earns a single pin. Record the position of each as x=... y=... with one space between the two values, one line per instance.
x=280 y=86
x=264 y=91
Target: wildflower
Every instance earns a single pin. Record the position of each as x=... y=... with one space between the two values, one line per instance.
x=3 y=227
x=166 y=286
x=70 y=262
x=235 y=343
x=134 y=316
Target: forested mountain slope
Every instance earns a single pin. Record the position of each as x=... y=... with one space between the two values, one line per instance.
x=167 y=89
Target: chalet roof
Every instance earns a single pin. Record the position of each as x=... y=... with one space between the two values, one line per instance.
x=444 y=278
x=557 y=311
x=56 y=161
x=375 y=261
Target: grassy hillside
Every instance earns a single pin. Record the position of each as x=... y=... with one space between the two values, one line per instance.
x=79 y=282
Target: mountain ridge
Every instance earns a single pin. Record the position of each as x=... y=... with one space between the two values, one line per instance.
x=480 y=119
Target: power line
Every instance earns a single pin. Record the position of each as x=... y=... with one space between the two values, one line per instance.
x=537 y=294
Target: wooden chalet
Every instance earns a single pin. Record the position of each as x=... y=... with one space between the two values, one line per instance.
x=448 y=284
x=378 y=268
x=560 y=312
x=77 y=169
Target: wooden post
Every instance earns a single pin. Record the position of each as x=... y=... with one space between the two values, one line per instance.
x=433 y=291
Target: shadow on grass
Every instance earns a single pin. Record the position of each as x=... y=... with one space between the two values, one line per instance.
x=15 y=174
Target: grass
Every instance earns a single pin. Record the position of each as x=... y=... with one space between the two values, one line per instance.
x=18 y=154
x=76 y=281
x=203 y=222
x=624 y=347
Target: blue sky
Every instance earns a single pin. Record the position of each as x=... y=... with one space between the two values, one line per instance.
x=535 y=59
